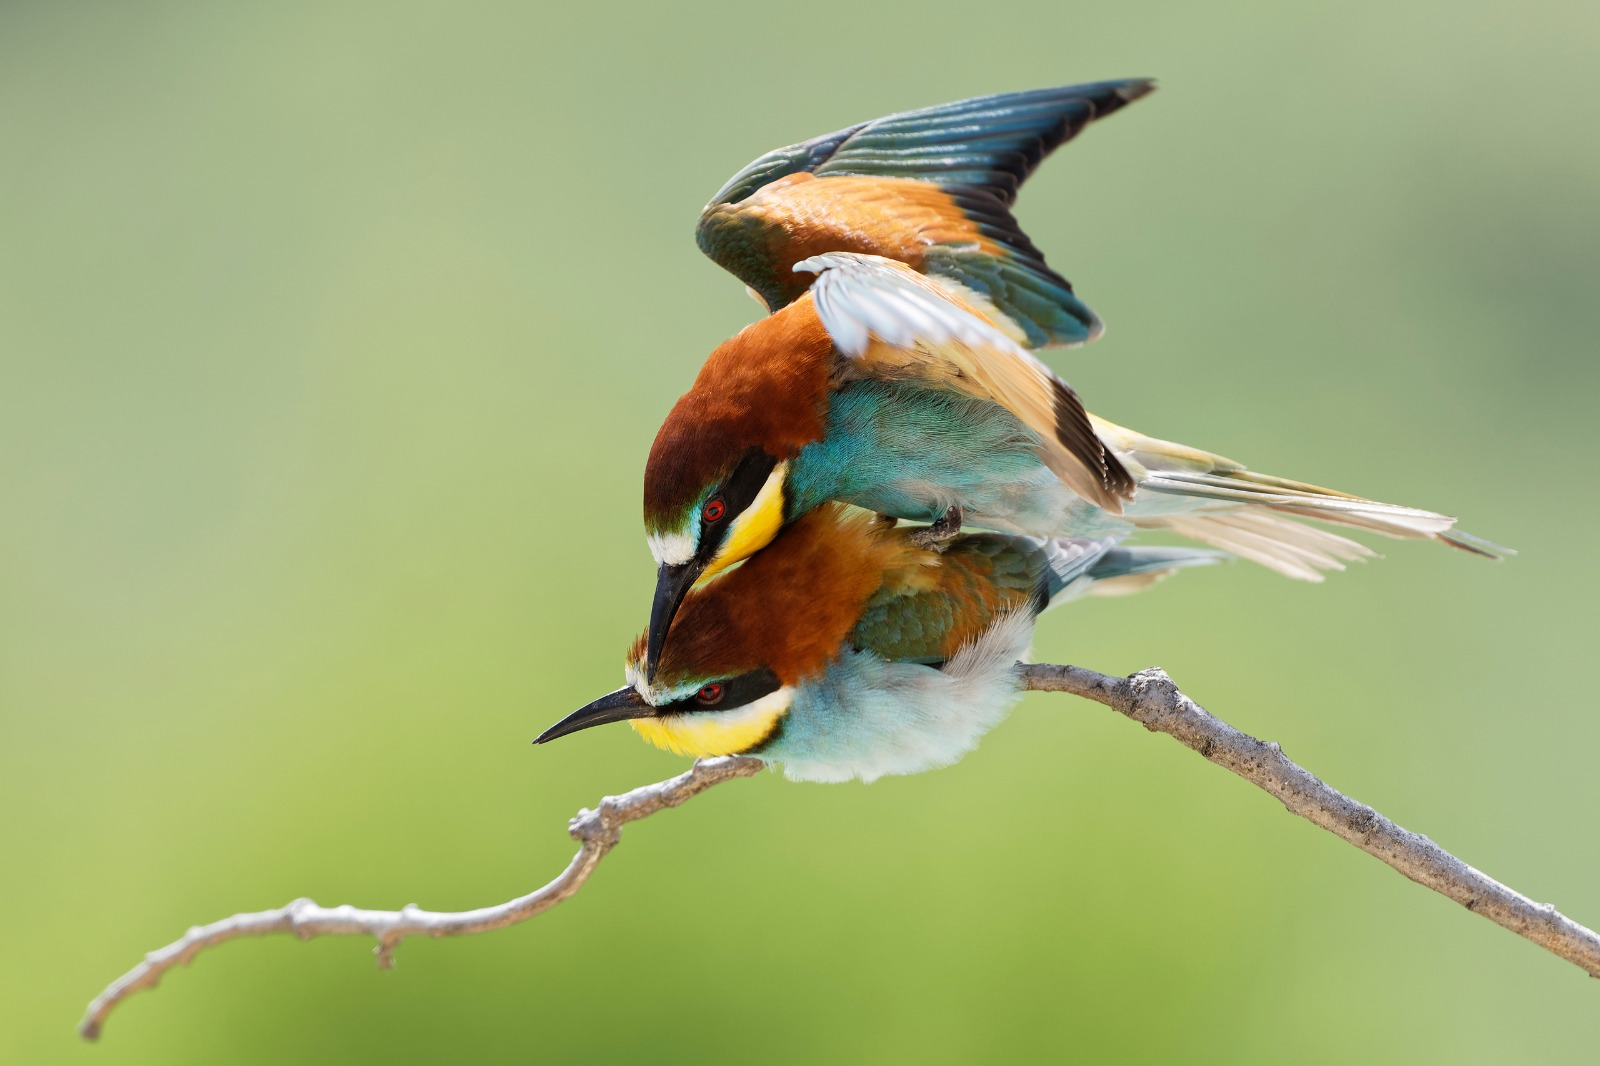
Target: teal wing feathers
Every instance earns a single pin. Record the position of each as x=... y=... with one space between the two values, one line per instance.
x=933 y=187
x=986 y=142
x=926 y=614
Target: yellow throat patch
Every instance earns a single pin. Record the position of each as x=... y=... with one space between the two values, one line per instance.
x=705 y=733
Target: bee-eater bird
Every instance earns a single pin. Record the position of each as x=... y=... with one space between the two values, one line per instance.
x=848 y=648
x=894 y=376
x=931 y=188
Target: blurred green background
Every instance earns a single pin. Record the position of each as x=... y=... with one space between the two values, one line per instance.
x=332 y=338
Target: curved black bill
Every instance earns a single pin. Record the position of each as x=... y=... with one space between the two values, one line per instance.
x=673 y=582
x=618 y=706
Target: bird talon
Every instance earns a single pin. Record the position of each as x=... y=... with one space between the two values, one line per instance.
x=940 y=533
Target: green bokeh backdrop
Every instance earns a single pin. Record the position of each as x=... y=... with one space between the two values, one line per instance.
x=332 y=338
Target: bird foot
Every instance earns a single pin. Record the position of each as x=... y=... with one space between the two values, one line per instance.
x=936 y=536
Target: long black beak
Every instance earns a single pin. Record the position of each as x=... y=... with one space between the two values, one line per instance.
x=618 y=706
x=672 y=585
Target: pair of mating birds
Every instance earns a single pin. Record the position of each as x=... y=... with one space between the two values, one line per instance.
x=794 y=620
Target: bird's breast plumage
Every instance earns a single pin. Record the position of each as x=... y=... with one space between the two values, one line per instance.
x=866 y=716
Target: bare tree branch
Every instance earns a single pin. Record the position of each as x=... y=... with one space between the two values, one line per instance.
x=596 y=831
x=1149 y=698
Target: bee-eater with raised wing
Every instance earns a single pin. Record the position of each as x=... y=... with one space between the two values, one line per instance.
x=849 y=649
x=930 y=188
x=899 y=381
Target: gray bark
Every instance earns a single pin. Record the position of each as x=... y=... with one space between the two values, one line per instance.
x=1148 y=697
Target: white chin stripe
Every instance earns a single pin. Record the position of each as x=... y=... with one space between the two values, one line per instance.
x=673 y=549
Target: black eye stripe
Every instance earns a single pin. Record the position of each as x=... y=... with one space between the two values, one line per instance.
x=736 y=494
x=736 y=692
x=740 y=490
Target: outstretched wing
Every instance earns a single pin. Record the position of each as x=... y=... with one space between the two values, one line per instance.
x=931 y=188
x=892 y=323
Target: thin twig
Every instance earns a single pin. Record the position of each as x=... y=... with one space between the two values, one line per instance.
x=1149 y=698
x=596 y=831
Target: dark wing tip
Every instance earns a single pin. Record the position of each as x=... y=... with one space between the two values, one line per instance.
x=1118 y=481
x=1132 y=89
x=1041 y=594
x=1076 y=433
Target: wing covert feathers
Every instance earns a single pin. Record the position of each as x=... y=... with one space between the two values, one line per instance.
x=893 y=323
x=932 y=188
x=932 y=604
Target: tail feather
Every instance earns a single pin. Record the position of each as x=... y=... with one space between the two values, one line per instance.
x=1100 y=568
x=1172 y=469
x=1125 y=571
x=1310 y=501
x=1281 y=544
x=1324 y=505
x=1476 y=545
x=1068 y=562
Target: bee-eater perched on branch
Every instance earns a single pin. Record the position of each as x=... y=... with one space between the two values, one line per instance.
x=849 y=649
x=899 y=383
x=932 y=189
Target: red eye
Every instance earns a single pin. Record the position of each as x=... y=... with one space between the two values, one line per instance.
x=714 y=509
x=711 y=695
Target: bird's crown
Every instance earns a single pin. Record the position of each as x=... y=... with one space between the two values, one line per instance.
x=764 y=389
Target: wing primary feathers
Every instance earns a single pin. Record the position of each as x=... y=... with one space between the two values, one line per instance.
x=806 y=157
x=1007 y=133
x=991 y=142
x=932 y=188
x=1077 y=435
